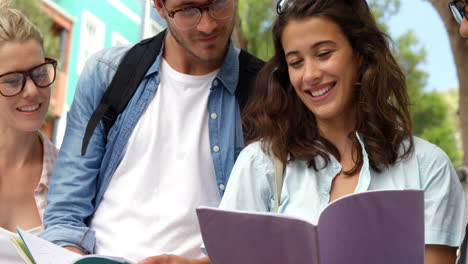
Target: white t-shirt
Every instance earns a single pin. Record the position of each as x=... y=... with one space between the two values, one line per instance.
x=165 y=173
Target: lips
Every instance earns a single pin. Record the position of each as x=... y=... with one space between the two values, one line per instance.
x=209 y=38
x=321 y=90
x=29 y=108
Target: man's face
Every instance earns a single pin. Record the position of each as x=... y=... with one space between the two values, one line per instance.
x=207 y=40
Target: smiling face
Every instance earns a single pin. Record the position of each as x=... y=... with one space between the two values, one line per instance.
x=322 y=67
x=207 y=41
x=25 y=111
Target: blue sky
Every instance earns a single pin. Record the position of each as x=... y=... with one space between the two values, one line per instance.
x=422 y=18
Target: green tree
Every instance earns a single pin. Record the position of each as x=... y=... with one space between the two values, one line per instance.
x=429 y=111
x=257 y=19
x=35 y=14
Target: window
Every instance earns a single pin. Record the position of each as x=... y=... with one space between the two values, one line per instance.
x=119 y=40
x=91 y=37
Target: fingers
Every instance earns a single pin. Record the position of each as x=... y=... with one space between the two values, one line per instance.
x=164 y=259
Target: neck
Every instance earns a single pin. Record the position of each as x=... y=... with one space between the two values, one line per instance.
x=337 y=131
x=19 y=148
x=184 y=61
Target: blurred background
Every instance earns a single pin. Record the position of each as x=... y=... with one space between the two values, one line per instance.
x=425 y=41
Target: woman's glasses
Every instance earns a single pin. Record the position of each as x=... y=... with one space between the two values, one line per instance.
x=43 y=75
x=459 y=10
x=282 y=5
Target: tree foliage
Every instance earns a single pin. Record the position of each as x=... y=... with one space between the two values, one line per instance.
x=34 y=13
x=257 y=18
x=459 y=48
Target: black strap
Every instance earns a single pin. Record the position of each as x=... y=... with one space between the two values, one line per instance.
x=249 y=66
x=463 y=248
x=125 y=82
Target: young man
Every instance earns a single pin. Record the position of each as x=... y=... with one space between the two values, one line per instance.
x=134 y=193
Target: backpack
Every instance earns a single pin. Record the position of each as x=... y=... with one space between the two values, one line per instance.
x=132 y=70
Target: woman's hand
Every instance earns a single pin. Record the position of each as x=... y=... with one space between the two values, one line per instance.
x=440 y=254
x=74 y=249
x=173 y=259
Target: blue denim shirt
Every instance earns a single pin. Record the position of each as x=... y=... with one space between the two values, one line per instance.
x=79 y=182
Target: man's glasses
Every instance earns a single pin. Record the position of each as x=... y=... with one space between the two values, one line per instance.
x=42 y=75
x=188 y=17
x=459 y=10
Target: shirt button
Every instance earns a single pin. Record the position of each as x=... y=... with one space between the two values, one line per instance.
x=214 y=116
x=215 y=82
x=222 y=187
x=216 y=149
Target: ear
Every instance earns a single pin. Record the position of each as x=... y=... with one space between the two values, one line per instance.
x=160 y=8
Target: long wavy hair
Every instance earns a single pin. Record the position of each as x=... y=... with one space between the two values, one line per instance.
x=276 y=116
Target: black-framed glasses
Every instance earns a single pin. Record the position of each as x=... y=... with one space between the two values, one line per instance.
x=43 y=75
x=459 y=10
x=188 y=17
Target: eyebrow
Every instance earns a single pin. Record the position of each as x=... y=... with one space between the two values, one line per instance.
x=314 y=46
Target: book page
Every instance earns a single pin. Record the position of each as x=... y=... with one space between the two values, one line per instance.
x=384 y=227
x=233 y=237
x=45 y=252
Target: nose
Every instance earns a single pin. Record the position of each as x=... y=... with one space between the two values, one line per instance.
x=312 y=73
x=207 y=23
x=30 y=88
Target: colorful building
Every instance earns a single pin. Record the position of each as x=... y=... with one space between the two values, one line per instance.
x=85 y=27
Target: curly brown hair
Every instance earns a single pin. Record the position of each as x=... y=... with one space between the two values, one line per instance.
x=287 y=128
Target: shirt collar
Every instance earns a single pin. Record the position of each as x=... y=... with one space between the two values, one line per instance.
x=229 y=67
x=225 y=74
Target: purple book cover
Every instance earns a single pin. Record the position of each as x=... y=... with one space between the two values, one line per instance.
x=384 y=227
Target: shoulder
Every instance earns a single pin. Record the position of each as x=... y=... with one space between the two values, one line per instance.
x=255 y=153
x=426 y=153
x=108 y=57
x=49 y=150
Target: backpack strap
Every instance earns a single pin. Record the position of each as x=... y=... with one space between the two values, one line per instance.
x=249 y=66
x=131 y=72
x=125 y=82
x=279 y=170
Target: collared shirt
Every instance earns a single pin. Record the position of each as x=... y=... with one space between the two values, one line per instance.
x=79 y=182
x=48 y=160
x=306 y=192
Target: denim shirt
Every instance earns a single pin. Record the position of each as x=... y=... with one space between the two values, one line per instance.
x=79 y=182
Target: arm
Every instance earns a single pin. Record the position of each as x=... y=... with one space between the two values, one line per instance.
x=443 y=208
x=173 y=259
x=439 y=254
x=73 y=186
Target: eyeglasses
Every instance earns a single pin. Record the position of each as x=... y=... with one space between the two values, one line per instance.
x=42 y=75
x=188 y=17
x=459 y=10
x=282 y=5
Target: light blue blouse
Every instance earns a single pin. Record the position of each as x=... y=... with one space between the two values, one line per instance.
x=306 y=192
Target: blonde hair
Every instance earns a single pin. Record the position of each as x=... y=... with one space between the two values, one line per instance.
x=14 y=26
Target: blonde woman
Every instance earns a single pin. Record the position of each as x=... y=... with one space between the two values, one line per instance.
x=26 y=156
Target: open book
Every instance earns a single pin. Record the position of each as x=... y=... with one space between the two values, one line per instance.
x=384 y=227
x=35 y=250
